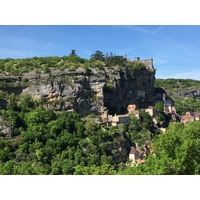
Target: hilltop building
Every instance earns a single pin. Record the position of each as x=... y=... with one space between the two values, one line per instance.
x=147 y=62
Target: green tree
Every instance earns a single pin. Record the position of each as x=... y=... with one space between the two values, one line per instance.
x=159 y=106
x=73 y=53
x=176 y=152
x=90 y=128
x=146 y=121
x=98 y=55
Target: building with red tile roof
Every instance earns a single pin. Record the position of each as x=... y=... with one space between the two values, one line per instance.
x=187 y=118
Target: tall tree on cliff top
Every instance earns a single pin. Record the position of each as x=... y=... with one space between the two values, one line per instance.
x=98 y=55
x=73 y=53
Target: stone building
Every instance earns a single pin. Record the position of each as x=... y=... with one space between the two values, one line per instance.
x=147 y=62
x=120 y=119
x=152 y=111
x=135 y=157
x=132 y=110
x=186 y=119
x=168 y=103
x=190 y=116
x=196 y=115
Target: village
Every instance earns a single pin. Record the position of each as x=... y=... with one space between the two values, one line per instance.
x=169 y=109
x=135 y=157
x=106 y=119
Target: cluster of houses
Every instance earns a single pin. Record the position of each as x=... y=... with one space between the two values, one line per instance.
x=135 y=156
x=120 y=119
x=115 y=120
x=169 y=109
x=189 y=117
x=160 y=95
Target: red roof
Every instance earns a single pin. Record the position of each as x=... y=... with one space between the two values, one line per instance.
x=187 y=117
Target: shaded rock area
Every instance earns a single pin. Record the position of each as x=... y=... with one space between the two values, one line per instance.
x=189 y=93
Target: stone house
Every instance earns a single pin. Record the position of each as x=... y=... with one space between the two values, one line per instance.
x=168 y=103
x=160 y=95
x=152 y=111
x=193 y=114
x=132 y=110
x=187 y=118
x=148 y=63
x=190 y=116
x=120 y=119
x=135 y=157
x=114 y=120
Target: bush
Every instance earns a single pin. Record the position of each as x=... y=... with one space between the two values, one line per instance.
x=109 y=88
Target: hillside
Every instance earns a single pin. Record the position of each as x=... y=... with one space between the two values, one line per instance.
x=49 y=107
x=44 y=102
x=73 y=83
x=180 y=87
x=186 y=93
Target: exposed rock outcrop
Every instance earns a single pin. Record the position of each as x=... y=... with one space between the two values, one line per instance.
x=188 y=93
x=85 y=91
x=5 y=128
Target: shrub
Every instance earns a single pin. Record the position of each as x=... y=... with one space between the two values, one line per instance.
x=109 y=88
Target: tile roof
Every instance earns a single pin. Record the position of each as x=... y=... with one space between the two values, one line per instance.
x=187 y=117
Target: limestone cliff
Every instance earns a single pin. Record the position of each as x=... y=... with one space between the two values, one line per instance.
x=86 y=91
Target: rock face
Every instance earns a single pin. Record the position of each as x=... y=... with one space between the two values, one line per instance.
x=189 y=93
x=130 y=88
x=5 y=128
x=88 y=91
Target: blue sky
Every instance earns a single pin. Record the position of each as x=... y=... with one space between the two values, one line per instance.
x=175 y=49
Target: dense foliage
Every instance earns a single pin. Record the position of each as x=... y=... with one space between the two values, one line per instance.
x=187 y=104
x=177 y=152
x=48 y=142
x=175 y=85
x=71 y=62
x=45 y=142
